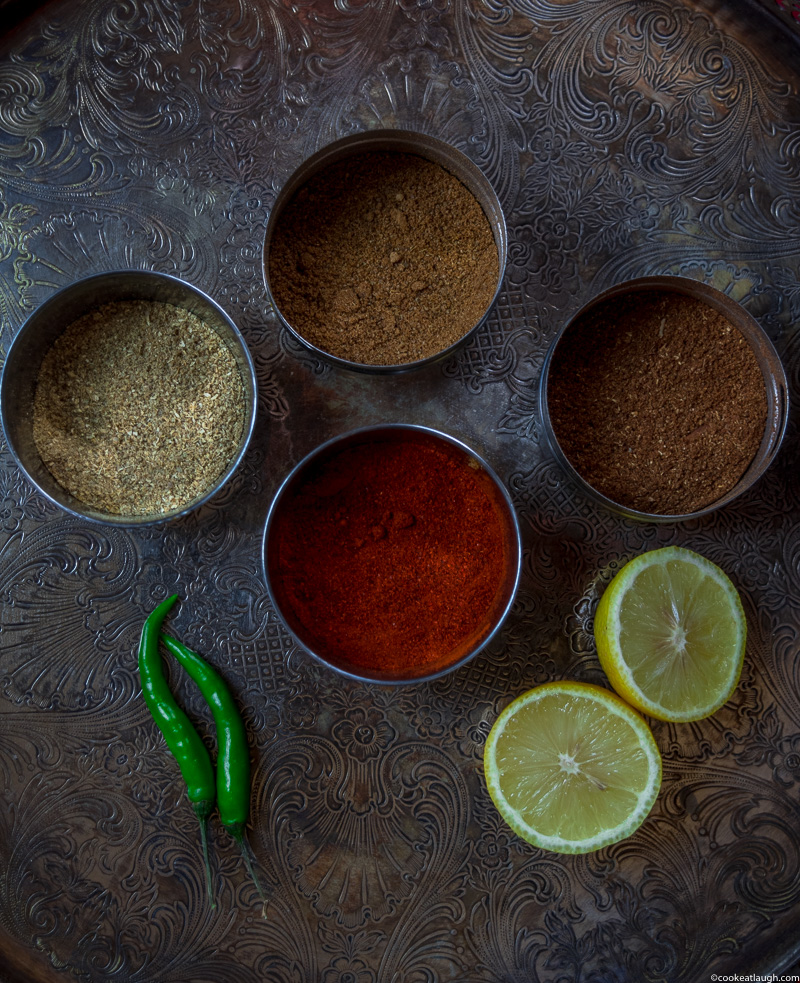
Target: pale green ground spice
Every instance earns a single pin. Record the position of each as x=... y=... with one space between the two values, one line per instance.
x=139 y=408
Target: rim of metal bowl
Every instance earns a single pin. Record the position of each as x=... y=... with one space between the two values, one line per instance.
x=514 y=541
x=773 y=373
x=405 y=141
x=130 y=281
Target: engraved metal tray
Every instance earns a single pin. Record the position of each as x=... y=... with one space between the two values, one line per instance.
x=624 y=139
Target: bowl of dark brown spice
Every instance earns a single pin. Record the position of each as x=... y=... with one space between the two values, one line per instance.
x=385 y=251
x=663 y=399
x=128 y=397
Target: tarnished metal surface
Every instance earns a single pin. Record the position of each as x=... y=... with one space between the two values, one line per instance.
x=624 y=139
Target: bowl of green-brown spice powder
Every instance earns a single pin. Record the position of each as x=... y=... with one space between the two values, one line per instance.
x=128 y=397
x=385 y=251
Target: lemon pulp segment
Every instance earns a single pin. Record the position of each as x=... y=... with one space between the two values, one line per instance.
x=571 y=767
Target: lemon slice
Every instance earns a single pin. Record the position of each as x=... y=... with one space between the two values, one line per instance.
x=670 y=632
x=572 y=768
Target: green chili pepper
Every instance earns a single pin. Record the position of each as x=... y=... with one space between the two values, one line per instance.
x=182 y=739
x=233 y=757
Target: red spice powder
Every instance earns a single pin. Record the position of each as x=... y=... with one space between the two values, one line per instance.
x=391 y=556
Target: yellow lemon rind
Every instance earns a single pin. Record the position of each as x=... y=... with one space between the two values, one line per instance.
x=607 y=837
x=606 y=632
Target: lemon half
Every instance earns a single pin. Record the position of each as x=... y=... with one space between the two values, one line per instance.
x=670 y=632
x=572 y=768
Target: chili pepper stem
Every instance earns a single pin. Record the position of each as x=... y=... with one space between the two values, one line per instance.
x=238 y=834
x=202 y=816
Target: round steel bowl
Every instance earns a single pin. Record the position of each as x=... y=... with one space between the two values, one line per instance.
x=50 y=319
x=775 y=384
x=409 y=142
x=374 y=434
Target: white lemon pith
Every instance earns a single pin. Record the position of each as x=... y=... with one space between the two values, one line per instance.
x=670 y=632
x=572 y=768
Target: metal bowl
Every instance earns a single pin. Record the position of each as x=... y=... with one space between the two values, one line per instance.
x=774 y=376
x=408 y=142
x=503 y=599
x=50 y=319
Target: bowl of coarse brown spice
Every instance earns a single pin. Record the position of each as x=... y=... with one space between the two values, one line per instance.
x=128 y=397
x=663 y=399
x=385 y=251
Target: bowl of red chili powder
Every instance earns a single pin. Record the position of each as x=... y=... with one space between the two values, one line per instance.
x=385 y=251
x=392 y=553
x=663 y=399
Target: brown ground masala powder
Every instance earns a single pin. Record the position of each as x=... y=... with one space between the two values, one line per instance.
x=658 y=401
x=139 y=408
x=383 y=258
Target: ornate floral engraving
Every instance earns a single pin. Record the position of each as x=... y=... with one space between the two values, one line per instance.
x=623 y=139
